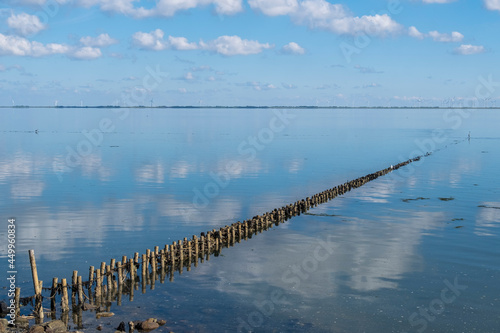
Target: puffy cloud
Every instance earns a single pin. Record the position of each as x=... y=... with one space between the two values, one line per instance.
x=293 y=48
x=413 y=32
x=454 y=37
x=163 y=7
x=170 y=7
x=181 y=43
x=19 y=46
x=492 y=4
x=225 y=45
x=467 y=49
x=86 y=53
x=320 y=14
x=125 y=7
x=25 y=24
x=446 y=38
x=274 y=7
x=151 y=41
x=234 y=45
x=102 y=40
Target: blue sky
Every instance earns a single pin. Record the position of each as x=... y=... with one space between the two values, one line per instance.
x=249 y=52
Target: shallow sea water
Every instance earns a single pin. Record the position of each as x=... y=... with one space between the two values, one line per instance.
x=374 y=260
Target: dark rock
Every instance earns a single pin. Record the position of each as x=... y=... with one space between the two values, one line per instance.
x=3 y=309
x=121 y=327
x=99 y=328
x=3 y=325
x=37 y=329
x=149 y=324
x=22 y=323
x=161 y=322
x=87 y=306
x=55 y=326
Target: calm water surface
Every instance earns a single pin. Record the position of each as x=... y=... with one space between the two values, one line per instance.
x=87 y=185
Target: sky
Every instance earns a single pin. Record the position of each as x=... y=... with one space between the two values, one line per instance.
x=249 y=52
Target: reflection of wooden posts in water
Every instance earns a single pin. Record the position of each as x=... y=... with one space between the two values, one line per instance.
x=211 y=242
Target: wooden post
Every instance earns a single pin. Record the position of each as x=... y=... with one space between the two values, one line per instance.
x=157 y=250
x=112 y=264
x=74 y=287
x=80 y=290
x=98 y=287
x=103 y=269
x=144 y=264
x=120 y=272
x=53 y=293
x=132 y=279
x=124 y=261
x=34 y=272
x=172 y=254
x=91 y=276
x=181 y=252
x=17 y=298
x=38 y=304
x=64 y=297
x=136 y=257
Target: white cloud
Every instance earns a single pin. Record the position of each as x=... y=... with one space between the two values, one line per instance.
x=454 y=37
x=150 y=41
x=86 y=53
x=320 y=14
x=19 y=46
x=25 y=24
x=293 y=48
x=125 y=7
x=170 y=7
x=234 y=45
x=492 y=4
x=467 y=49
x=102 y=40
x=226 y=45
x=274 y=7
x=446 y=38
x=163 y=7
x=413 y=32
x=181 y=43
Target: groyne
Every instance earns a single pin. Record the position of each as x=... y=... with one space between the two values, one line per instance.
x=108 y=282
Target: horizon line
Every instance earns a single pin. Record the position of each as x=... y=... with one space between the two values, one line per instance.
x=238 y=107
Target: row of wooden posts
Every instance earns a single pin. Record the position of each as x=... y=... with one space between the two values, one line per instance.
x=109 y=281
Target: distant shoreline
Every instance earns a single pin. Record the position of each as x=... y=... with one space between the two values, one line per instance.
x=242 y=107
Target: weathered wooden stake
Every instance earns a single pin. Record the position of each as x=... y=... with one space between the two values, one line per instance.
x=91 y=276
x=98 y=287
x=80 y=290
x=64 y=297
x=34 y=272
x=17 y=299
x=144 y=264
x=53 y=293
